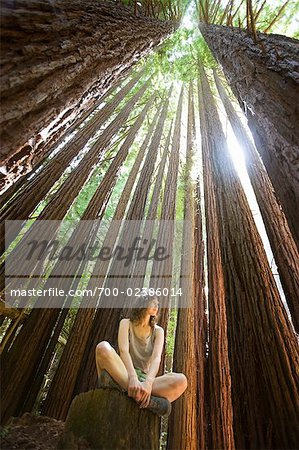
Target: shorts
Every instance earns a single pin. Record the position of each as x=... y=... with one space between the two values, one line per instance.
x=140 y=374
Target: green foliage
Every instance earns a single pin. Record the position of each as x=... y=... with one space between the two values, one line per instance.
x=280 y=15
x=158 y=9
x=170 y=338
x=177 y=59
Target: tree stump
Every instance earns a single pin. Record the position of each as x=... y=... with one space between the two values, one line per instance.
x=109 y=419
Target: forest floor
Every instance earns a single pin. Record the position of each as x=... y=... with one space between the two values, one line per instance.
x=31 y=431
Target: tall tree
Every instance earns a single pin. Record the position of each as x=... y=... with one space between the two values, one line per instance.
x=220 y=413
x=182 y=424
x=110 y=38
x=264 y=81
x=282 y=243
x=263 y=349
x=201 y=323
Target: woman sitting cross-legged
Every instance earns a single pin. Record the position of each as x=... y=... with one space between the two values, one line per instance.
x=134 y=370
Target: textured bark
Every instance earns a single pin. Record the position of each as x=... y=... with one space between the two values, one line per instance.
x=58 y=56
x=264 y=79
x=36 y=151
x=61 y=390
x=34 y=190
x=201 y=326
x=282 y=243
x=182 y=423
x=38 y=327
x=263 y=350
x=38 y=378
x=86 y=378
x=109 y=419
x=220 y=432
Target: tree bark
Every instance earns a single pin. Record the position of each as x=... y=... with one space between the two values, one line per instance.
x=35 y=152
x=220 y=411
x=263 y=78
x=282 y=243
x=74 y=50
x=109 y=419
x=182 y=423
x=201 y=325
x=263 y=349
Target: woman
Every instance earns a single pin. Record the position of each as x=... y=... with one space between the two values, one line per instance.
x=140 y=344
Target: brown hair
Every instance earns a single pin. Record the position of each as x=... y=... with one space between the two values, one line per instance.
x=136 y=315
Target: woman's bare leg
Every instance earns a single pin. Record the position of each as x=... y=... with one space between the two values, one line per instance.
x=170 y=386
x=108 y=359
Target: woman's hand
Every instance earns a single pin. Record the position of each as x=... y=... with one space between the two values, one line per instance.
x=134 y=388
x=146 y=393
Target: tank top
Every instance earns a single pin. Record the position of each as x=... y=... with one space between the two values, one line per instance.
x=141 y=349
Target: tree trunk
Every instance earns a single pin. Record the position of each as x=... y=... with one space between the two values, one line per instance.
x=35 y=152
x=60 y=76
x=108 y=419
x=263 y=349
x=263 y=78
x=282 y=243
x=220 y=431
x=32 y=394
x=34 y=190
x=182 y=423
x=201 y=326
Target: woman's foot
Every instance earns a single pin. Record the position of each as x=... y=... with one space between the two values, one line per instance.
x=159 y=405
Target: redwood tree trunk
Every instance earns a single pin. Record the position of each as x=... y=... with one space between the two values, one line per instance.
x=35 y=152
x=182 y=424
x=282 y=243
x=201 y=325
x=220 y=412
x=263 y=349
x=263 y=77
x=56 y=57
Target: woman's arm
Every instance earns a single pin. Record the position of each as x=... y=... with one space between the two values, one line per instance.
x=156 y=356
x=134 y=385
x=154 y=367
